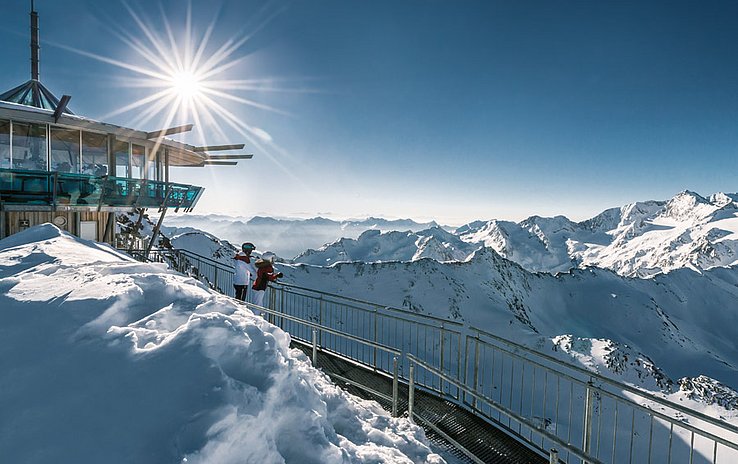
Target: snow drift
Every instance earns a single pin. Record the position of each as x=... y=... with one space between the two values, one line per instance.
x=105 y=359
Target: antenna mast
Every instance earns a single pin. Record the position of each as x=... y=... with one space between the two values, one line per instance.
x=34 y=43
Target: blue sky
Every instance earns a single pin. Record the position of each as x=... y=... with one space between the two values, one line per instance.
x=432 y=109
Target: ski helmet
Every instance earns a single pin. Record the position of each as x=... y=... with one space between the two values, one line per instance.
x=248 y=246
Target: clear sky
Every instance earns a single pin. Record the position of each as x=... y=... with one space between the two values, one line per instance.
x=434 y=109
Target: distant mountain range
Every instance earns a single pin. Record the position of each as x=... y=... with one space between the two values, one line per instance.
x=638 y=240
x=285 y=237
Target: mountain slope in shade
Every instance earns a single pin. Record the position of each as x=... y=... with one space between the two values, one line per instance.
x=375 y=246
x=641 y=239
x=684 y=322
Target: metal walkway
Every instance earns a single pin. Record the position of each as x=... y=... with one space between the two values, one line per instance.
x=446 y=424
x=492 y=399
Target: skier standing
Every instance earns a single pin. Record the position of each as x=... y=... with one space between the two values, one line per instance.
x=264 y=275
x=244 y=271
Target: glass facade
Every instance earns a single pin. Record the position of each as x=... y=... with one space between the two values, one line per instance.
x=65 y=150
x=138 y=161
x=52 y=166
x=4 y=144
x=21 y=187
x=122 y=158
x=29 y=146
x=94 y=154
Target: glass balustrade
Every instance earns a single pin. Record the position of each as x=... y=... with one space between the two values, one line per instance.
x=54 y=189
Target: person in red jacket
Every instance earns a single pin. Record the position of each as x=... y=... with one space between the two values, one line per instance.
x=264 y=275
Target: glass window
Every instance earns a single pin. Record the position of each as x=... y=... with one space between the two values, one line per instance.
x=29 y=146
x=4 y=144
x=153 y=165
x=94 y=154
x=64 y=150
x=120 y=150
x=138 y=160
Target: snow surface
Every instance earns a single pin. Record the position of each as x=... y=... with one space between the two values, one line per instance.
x=105 y=359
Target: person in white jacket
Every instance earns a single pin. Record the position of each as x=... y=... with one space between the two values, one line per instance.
x=245 y=271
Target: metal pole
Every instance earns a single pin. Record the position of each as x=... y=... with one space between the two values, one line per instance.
x=587 y=434
x=553 y=456
x=411 y=393
x=315 y=347
x=394 y=386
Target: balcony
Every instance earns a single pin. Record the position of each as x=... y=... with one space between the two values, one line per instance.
x=45 y=190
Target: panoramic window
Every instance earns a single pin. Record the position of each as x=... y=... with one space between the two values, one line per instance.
x=65 y=148
x=138 y=158
x=4 y=144
x=29 y=146
x=120 y=150
x=94 y=154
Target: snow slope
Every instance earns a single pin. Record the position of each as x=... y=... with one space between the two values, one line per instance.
x=105 y=359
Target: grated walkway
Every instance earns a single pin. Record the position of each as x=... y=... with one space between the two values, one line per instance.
x=485 y=441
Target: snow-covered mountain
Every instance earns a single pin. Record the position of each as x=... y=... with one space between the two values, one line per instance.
x=105 y=359
x=285 y=237
x=375 y=246
x=683 y=324
x=640 y=239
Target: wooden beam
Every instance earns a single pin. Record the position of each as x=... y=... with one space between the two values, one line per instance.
x=236 y=146
x=170 y=131
x=219 y=163
x=229 y=157
x=61 y=107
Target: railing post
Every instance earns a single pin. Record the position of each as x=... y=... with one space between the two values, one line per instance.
x=411 y=393
x=441 y=347
x=476 y=369
x=320 y=306
x=553 y=456
x=374 y=364
x=394 y=386
x=315 y=347
x=587 y=432
x=272 y=303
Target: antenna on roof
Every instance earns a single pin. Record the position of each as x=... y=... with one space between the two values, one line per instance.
x=34 y=43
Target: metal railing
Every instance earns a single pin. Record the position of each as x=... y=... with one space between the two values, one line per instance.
x=538 y=399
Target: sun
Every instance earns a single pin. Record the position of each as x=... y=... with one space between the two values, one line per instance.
x=187 y=85
x=188 y=77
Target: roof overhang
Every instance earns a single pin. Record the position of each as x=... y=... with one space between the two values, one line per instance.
x=180 y=154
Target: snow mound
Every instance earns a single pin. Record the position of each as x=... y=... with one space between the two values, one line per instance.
x=109 y=360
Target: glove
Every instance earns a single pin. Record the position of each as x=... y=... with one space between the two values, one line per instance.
x=279 y=275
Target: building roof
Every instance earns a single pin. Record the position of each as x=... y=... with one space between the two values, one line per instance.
x=32 y=93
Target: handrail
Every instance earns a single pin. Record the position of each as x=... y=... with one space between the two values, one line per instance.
x=648 y=395
x=508 y=412
x=323 y=328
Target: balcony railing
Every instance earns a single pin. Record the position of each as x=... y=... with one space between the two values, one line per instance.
x=47 y=189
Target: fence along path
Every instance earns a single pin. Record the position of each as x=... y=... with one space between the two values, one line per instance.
x=535 y=398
